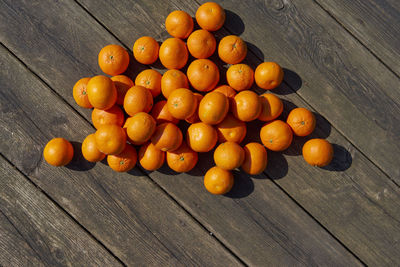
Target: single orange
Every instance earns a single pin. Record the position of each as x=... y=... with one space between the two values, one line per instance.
x=171 y=80
x=79 y=93
x=173 y=53
x=150 y=157
x=182 y=103
x=268 y=75
x=232 y=49
x=124 y=161
x=90 y=151
x=228 y=92
x=167 y=137
x=210 y=16
x=229 y=156
x=195 y=116
x=203 y=75
x=255 y=158
x=150 y=79
x=246 y=106
x=113 y=59
x=213 y=108
x=318 y=152
x=161 y=114
x=113 y=115
x=201 y=44
x=302 y=121
x=276 y=135
x=231 y=129
x=140 y=128
x=240 y=77
x=110 y=139
x=145 y=50
x=272 y=107
x=201 y=137
x=58 y=152
x=138 y=99
x=123 y=84
x=218 y=181
x=182 y=159
x=101 y=91
x=179 y=24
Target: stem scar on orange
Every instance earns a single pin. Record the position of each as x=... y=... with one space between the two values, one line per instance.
x=113 y=59
x=302 y=121
x=150 y=79
x=240 y=77
x=145 y=50
x=276 y=135
x=124 y=161
x=182 y=103
x=79 y=93
x=203 y=75
x=161 y=114
x=182 y=159
x=58 y=152
x=171 y=80
x=232 y=49
x=201 y=44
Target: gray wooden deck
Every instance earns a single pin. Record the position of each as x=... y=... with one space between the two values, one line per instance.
x=341 y=60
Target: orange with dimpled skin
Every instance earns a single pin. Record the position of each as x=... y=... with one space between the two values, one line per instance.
x=268 y=75
x=203 y=75
x=179 y=24
x=210 y=16
x=145 y=50
x=173 y=53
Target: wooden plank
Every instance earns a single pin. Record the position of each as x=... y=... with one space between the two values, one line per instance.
x=351 y=178
x=376 y=23
x=254 y=243
x=43 y=233
x=128 y=213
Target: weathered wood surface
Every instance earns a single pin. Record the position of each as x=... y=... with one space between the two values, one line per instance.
x=260 y=246
x=376 y=23
x=128 y=213
x=34 y=231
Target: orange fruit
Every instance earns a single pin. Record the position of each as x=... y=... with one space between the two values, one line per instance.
x=79 y=93
x=210 y=16
x=203 y=75
x=90 y=151
x=110 y=139
x=179 y=24
x=150 y=79
x=161 y=114
x=195 y=116
x=231 y=129
x=272 y=107
x=122 y=83
x=218 y=181
x=58 y=152
x=240 y=77
x=228 y=92
x=201 y=137
x=318 y=152
x=181 y=103
x=113 y=115
x=182 y=159
x=229 y=156
x=101 y=91
x=171 y=80
x=150 y=157
x=124 y=161
x=232 y=49
x=140 y=128
x=113 y=59
x=268 y=75
x=138 y=99
x=167 y=137
x=213 y=108
x=145 y=50
x=201 y=44
x=246 y=106
x=255 y=158
x=302 y=121
x=173 y=53
x=276 y=135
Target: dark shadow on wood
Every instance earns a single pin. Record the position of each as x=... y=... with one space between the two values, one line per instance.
x=289 y=77
x=242 y=187
x=234 y=22
x=277 y=166
x=256 y=51
x=342 y=159
x=78 y=162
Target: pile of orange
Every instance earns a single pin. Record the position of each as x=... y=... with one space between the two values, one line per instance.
x=127 y=120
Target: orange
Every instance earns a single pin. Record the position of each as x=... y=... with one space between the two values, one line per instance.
x=171 y=80
x=318 y=152
x=79 y=93
x=122 y=83
x=182 y=159
x=161 y=114
x=90 y=151
x=240 y=77
x=302 y=121
x=228 y=92
x=150 y=79
x=113 y=59
x=246 y=106
x=229 y=156
x=150 y=157
x=201 y=44
x=101 y=91
x=182 y=103
x=113 y=115
x=138 y=99
x=232 y=49
x=195 y=116
x=110 y=139
x=276 y=135
x=218 y=181
x=272 y=107
x=145 y=50
x=167 y=137
x=255 y=159
x=124 y=161
x=213 y=108
x=201 y=137
x=173 y=53
x=268 y=75
x=210 y=16
x=140 y=128
x=231 y=129
x=58 y=152
x=179 y=24
x=203 y=75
